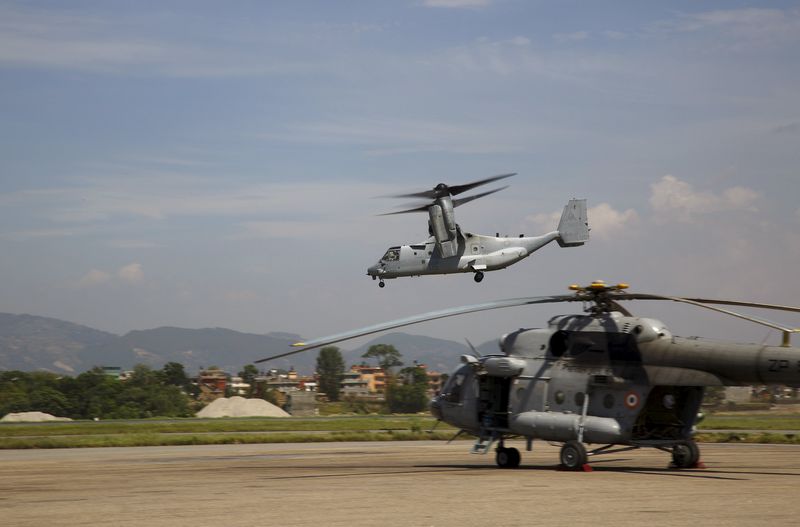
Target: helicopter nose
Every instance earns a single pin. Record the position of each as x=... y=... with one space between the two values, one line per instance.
x=375 y=270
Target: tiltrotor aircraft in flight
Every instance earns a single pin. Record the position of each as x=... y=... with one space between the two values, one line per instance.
x=449 y=249
x=605 y=377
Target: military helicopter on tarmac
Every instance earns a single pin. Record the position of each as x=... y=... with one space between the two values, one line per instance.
x=451 y=250
x=605 y=377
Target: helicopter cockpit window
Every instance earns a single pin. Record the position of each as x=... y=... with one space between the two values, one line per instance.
x=453 y=389
x=392 y=255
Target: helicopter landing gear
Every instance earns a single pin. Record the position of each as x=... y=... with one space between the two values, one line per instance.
x=685 y=455
x=507 y=457
x=381 y=284
x=573 y=455
x=478 y=276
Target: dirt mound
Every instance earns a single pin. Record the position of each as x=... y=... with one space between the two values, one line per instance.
x=31 y=417
x=240 y=407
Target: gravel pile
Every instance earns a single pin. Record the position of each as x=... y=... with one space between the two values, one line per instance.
x=240 y=407
x=31 y=417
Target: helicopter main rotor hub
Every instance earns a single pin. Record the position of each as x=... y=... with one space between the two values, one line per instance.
x=599 y=295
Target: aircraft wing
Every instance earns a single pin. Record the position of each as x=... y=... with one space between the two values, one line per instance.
x=416 y=319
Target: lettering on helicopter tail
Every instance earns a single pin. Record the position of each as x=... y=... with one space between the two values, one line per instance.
x=631 y=400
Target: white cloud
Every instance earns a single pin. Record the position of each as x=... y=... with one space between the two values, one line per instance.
x=93 y=278
x=604 y=221
x=133 y=244
x=673 y=199
x=56 y=38
x=392 y=135
x=36 y=234
x=753 y=26
x=457 y=4
x=131 y=273
x=576 y=36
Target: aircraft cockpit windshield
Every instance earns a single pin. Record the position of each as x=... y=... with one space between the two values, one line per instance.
x=392 y=255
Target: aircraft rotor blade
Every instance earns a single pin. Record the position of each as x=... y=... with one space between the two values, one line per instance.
x=421 y=208
x=416 y=319
x=428 y=194
x=704 y=303
x=443 y=190
x=461 y=201
x=458 y=189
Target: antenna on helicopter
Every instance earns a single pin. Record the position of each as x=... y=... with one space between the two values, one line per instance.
x=475 y=351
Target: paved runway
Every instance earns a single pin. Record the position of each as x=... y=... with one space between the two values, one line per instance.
x=402 y=483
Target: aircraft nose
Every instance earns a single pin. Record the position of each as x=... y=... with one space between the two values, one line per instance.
x=375 y=270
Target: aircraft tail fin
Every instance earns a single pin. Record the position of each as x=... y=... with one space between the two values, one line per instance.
x=573 y=229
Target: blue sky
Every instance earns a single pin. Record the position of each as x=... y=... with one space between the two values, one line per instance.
x=217 y=164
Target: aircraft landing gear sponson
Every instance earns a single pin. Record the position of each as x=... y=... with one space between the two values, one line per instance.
x=381 y=284
x=478 y=276
x=507 y=457
x=573 y=455
x=685 y=455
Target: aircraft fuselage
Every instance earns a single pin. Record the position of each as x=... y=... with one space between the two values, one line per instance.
x=476 y=253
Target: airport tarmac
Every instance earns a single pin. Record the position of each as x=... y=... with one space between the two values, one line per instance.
x=395 y=483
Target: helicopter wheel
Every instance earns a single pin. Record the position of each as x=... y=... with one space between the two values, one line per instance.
x=573 y=455
x=507 y=457
x=685 y=454
x=381 y=284
x=478 y=276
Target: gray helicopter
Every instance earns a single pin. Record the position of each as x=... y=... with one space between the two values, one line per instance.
x=605 y=377
x=451 y=250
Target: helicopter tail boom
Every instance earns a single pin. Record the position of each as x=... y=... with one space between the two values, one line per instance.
x=573 y=229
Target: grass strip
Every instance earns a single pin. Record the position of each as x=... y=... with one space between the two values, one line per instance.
x=749 y=437
x=760 y=422
x=286 y=424
x=129 y=440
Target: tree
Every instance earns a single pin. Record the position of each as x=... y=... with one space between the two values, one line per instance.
x=248 y=375
x=411 y=395
x=387 y=355
x=330 y=368
x=174 y=374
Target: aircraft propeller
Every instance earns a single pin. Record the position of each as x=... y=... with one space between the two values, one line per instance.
x=442 y=190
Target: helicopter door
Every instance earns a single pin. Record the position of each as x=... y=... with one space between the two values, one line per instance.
x=493 y=399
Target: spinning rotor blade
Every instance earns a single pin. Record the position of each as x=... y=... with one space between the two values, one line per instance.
x=745 y=304
x=421 y=208
x=456 y=202
x=461 y=201
x=416 y=319
x=443 y=190
x=704 y=303
x=458 y=189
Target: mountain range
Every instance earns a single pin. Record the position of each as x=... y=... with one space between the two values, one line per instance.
x=29 y=343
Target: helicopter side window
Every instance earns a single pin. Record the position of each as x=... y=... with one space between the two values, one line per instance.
x=392 y=255
x=454 y=388
x=558 y=343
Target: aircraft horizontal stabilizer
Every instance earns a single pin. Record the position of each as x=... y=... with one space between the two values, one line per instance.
x=573 y=229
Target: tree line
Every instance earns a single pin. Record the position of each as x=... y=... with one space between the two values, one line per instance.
x=169 y=392
x=94 y=394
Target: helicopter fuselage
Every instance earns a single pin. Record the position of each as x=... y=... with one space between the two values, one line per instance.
x=607 y=379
